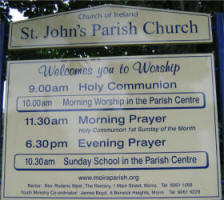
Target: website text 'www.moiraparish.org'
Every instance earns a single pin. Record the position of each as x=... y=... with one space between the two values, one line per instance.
x=108 y=178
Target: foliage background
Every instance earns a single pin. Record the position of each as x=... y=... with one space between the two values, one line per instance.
x=34 y=8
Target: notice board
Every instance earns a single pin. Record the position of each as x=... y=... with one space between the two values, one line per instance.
x=139 y=127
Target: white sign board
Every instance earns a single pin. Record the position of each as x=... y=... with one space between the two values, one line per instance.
x=141 y=127
x=111 y=25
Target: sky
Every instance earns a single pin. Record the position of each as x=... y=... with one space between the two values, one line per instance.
x=16 y=15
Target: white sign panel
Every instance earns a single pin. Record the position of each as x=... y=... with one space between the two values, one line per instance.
x=141 y=127
x=111 y=25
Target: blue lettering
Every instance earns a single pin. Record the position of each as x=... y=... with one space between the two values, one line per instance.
x=25 y=35
x=96 y=28
x=146 y=29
